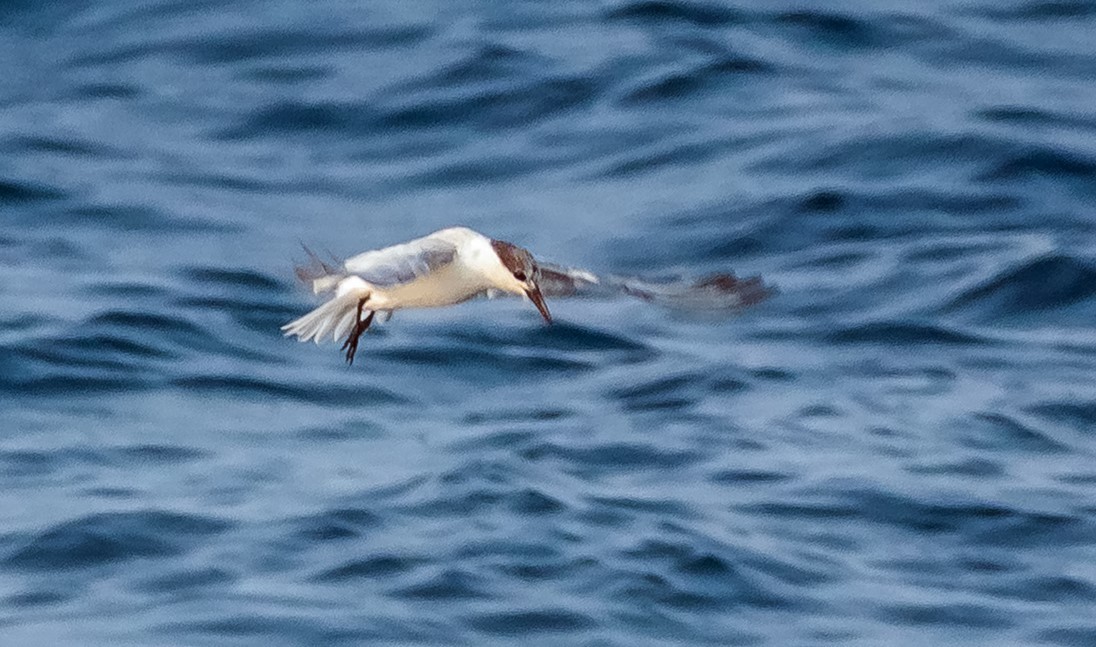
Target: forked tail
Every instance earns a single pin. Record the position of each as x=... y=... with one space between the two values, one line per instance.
x=334 y=319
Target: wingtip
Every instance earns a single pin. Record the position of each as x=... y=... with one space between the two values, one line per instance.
x=750 y=291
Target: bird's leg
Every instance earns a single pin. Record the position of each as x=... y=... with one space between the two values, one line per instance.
x=360 y=326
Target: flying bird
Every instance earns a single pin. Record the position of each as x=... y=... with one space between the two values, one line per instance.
x=457 y=264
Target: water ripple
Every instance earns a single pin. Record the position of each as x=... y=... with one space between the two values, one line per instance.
x=1035 y=288
x=536 y=621
x=659 y=11
x=378 y=566
x=106 y=538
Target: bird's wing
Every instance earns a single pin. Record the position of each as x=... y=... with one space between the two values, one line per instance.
x=402 y=263
x=712 y=292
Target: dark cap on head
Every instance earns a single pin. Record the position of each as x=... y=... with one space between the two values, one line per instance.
x=520 y=263
x=513 y=257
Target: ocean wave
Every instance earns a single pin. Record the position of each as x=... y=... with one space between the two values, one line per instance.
x=107 y=538
x=902 y=333
x=1033 y=288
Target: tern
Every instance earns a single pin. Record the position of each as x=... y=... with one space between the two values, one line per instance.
x=457 y=264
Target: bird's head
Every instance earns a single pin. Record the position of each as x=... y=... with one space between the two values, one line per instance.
x=520 y=274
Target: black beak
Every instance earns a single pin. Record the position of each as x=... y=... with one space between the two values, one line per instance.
x=538 y=300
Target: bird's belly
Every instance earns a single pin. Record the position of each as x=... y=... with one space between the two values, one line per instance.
x=441 y=288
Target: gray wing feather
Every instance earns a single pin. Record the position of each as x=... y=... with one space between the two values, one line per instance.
x=402 y=263
x=713 y=292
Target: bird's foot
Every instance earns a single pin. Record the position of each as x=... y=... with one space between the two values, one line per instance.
x=351 y=343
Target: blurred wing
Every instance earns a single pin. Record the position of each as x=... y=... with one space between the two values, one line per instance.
x=402 y=263
x=714 y=292
x=558 y=281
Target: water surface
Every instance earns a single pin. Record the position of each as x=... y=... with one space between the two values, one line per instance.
x=895 y=450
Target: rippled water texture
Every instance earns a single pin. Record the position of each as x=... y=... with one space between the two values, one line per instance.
x=897 y=449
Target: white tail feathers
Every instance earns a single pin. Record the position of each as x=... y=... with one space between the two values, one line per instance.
x=333 y=319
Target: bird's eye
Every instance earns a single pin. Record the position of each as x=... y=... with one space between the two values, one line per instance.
x=519 y=276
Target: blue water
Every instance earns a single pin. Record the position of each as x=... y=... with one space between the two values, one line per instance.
x=896 y=449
